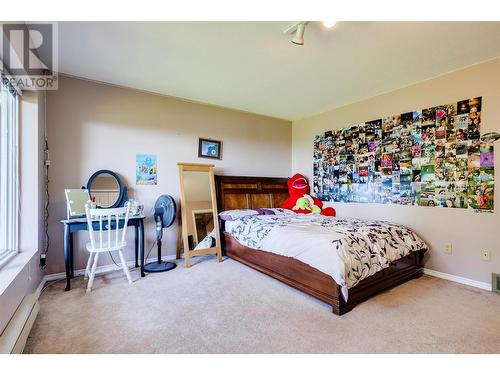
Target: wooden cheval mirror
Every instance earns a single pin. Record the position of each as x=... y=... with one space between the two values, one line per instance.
x=198 y=212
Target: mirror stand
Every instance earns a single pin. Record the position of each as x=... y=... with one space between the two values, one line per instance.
x=197 y=188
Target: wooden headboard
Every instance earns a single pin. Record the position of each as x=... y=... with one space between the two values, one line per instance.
x=238 y=192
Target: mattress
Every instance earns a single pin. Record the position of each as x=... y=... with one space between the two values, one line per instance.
x=349 y=250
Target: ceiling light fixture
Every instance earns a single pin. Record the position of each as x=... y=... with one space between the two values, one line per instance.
x=329 y=24
x=299 y=34
x=298 y=29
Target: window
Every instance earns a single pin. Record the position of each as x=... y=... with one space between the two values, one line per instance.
x=9 y=172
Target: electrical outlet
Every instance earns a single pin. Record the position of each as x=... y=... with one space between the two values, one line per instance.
x=43 y=260
x=448 y=248
x=485 y=255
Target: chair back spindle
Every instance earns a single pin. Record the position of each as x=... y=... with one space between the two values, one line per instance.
x=106 y=217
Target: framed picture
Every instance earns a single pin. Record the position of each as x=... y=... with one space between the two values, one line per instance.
x=208 y=148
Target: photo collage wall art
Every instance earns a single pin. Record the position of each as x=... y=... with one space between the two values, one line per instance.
x=432 y=157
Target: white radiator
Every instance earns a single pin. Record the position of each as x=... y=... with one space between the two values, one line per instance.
x=16 y=333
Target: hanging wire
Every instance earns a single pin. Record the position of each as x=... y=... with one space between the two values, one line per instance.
x=47 y=180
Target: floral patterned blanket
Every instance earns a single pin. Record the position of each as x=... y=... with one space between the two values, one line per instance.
x=349 y=250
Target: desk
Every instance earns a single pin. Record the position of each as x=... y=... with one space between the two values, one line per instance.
x=74 y=225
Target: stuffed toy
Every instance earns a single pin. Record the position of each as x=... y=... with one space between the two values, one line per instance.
x=300 y=201
x=306 y=204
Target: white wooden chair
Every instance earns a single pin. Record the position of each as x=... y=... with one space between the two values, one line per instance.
x=106 y=241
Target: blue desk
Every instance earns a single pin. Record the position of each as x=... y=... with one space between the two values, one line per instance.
x=74 y=225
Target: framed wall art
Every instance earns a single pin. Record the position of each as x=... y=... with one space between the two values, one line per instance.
x=209 y=148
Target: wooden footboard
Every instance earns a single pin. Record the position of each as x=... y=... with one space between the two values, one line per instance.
x=318 y=284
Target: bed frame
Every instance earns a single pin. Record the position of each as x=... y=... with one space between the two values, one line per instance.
x=235 y=192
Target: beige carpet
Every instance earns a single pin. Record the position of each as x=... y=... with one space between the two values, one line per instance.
x=230 y=308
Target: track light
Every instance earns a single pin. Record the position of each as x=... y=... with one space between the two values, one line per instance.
x=299 y=34
x=297 y=29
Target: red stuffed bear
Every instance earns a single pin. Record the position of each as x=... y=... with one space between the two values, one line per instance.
x=298 y=187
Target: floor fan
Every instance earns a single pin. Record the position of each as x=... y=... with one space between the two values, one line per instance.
x=164 y=215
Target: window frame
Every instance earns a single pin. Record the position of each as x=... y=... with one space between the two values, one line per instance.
x=9 y=173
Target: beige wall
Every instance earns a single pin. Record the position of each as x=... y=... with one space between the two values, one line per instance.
x=469 y=232
x=93 y=126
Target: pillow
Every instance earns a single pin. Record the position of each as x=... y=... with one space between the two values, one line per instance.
x=275 y=211
x=265 y=211
x=231 y=215
x=207 y=242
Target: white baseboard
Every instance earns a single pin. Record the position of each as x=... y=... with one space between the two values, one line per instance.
x=458 y=279
x=99 y=270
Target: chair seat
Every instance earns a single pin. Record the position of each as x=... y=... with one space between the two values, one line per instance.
x=105 y=247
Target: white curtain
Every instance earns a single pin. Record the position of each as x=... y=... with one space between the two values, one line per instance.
x=9 y=172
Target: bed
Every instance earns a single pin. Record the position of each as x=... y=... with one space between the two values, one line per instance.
x=236 y=192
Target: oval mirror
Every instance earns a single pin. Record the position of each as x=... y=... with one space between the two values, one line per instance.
x=106 y=188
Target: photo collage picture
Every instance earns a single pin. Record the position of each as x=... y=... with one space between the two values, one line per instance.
x=433 y=157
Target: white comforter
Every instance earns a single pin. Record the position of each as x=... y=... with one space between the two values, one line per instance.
x=349 y=250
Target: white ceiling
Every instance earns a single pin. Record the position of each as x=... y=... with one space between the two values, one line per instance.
x=252 y=66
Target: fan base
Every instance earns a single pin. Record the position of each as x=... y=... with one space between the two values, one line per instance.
x=159 y=267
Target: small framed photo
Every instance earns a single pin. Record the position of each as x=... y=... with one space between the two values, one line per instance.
x=208 y=148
